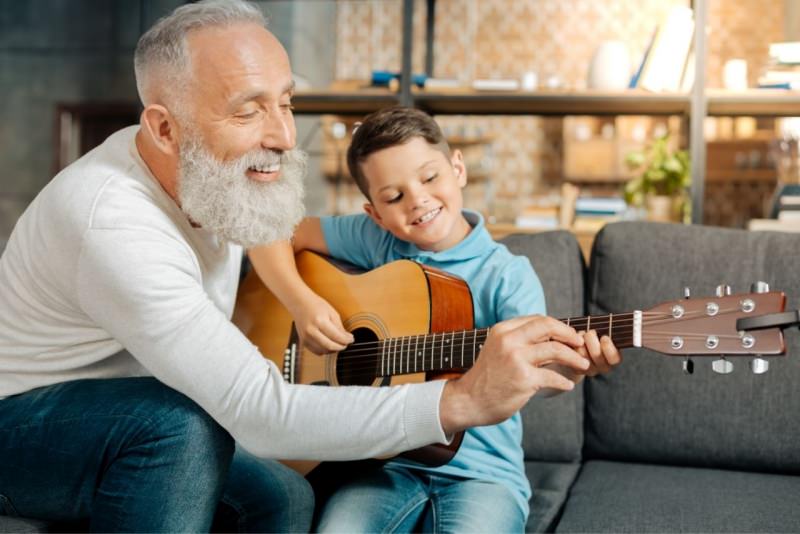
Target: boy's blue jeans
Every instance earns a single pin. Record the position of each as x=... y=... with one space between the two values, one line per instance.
x=396 y=499
x=132 y=454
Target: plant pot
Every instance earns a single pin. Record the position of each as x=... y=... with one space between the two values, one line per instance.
x=663 y=208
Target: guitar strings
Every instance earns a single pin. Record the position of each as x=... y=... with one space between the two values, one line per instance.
x=448 y=338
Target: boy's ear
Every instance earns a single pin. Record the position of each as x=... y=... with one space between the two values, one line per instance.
x=373 y=214
x=459 y=168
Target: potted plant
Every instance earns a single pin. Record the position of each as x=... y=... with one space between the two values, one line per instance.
x=663 y=176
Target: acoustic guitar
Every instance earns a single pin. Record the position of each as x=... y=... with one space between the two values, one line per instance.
x=413 y=323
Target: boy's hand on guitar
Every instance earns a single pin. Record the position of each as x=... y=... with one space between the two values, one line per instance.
x=319 y=325
x=601 y=352
x=510 y=370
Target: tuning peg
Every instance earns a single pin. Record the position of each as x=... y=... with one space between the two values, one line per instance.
x=759 y=365
x=688 y=366
x=722 y=366
x=687 y=293
x=723 y=290
x=759 y=287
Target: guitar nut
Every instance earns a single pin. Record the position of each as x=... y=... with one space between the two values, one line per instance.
x=712 y=342
x=712 y=308
x=748 y=341
x=748 y=305
x=677 y=311
x=677 y=342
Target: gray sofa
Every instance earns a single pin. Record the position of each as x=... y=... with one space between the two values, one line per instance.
x=647 y=448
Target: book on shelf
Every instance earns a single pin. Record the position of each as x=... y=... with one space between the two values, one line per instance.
x=789 y=216
x=791 y=86
x=638 y=74
x=787 y=53
x=495 y=84
x=600 y=206
x=665 y=64
x=687 y=82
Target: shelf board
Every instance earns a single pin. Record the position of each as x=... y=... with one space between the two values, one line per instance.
x=754 y=103
x=633 y=102
x=357 y=102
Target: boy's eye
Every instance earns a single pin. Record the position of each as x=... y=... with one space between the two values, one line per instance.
x=431 y=178
x=395 y=198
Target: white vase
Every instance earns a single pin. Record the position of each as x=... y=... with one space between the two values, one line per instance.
x=610 y=69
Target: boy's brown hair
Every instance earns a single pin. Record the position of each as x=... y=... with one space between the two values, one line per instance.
x=387 y=128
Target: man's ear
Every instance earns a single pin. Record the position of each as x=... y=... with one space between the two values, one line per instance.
x=459 y=168
x=373 y=214
x=161 y=127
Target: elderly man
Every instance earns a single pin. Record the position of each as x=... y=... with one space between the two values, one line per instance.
x=124 y=384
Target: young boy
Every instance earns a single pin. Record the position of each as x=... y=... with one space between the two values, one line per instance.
x=412 y=183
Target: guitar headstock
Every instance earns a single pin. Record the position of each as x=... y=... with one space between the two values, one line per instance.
x=707 y=327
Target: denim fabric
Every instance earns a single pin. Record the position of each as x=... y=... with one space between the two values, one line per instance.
x=263 y=496
x=130 y=454
x=397 y=499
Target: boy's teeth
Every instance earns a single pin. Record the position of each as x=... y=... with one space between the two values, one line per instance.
x=428 y=216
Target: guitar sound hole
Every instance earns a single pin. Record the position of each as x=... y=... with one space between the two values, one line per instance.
x=357 y=364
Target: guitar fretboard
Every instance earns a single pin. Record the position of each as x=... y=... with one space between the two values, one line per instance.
x=459 y=350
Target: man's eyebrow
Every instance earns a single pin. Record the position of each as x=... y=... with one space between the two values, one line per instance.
x=256 y=95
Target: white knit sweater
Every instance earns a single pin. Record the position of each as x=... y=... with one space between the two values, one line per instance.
x=104 y=276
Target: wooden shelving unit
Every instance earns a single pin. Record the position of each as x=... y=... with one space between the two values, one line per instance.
x=694 y=107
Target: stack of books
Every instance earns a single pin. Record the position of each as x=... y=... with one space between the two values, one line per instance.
x=783 y=70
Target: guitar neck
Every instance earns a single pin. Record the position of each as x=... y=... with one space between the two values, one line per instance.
x=459 y=350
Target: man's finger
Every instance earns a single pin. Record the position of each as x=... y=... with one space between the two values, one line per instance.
x=555 y=352
x=612 y=353
x=596 y=352
x=539 y=328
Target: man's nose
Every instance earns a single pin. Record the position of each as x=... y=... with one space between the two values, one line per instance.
x=278 y=132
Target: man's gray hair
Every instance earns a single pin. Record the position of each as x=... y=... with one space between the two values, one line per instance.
x=162 y=54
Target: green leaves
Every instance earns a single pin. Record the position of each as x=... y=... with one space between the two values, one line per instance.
x=660 y=172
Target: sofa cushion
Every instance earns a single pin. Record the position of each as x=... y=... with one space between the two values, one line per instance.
x=623 y=497
x=554 y=426
x=551 y=482
x=647 y=409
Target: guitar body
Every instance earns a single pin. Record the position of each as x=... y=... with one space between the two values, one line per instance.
x=402 y=298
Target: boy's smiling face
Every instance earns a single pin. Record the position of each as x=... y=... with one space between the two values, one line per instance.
x=416 y=194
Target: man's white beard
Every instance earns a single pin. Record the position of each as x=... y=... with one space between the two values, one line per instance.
x=222 y=199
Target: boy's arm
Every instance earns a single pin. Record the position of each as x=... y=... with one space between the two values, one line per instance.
x=318 y=324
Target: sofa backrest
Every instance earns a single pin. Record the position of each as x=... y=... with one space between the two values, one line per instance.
x=553 y=427
x=648 y=410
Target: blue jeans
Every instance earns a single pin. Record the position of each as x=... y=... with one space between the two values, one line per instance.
x=397 y=499
x=131 y=454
